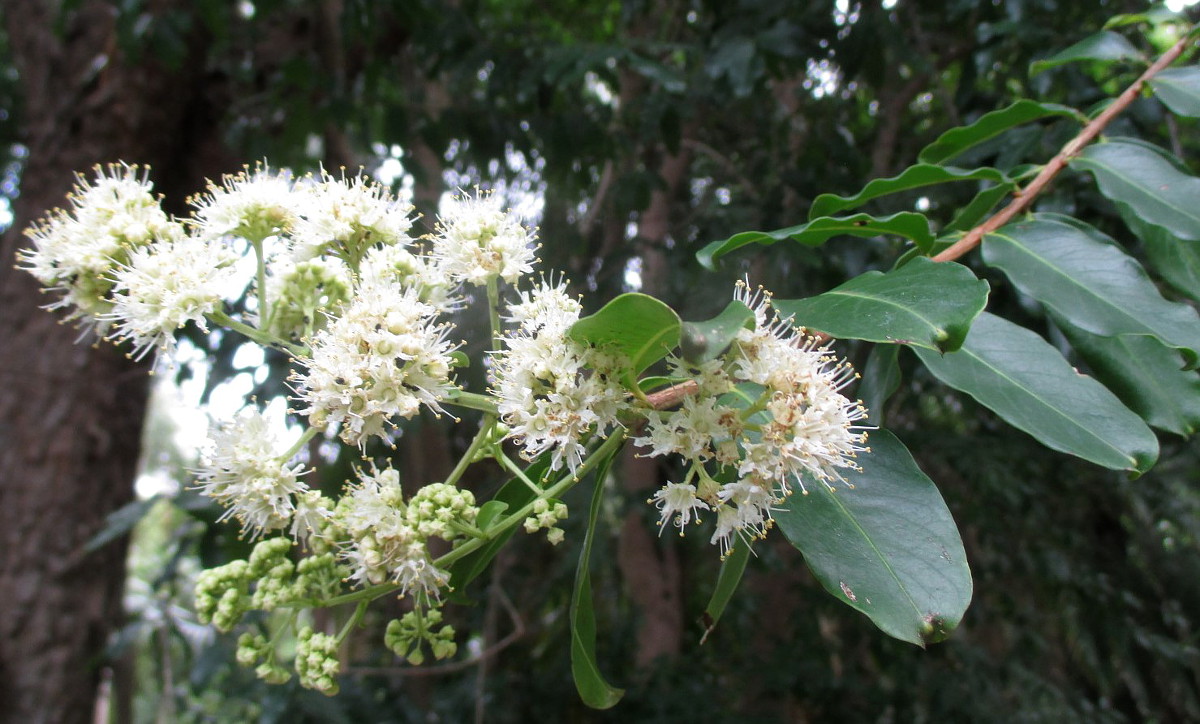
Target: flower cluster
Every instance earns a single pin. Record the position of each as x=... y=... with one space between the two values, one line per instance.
x=387 y=540
x=77 y=252
x=768 y=414
x=382 y=358
x=367 y=314
x=246 y=473
x=554 y=392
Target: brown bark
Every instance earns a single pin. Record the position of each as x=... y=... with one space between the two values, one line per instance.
x=71 y=414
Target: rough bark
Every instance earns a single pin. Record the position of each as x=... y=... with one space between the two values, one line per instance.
x=71 y=414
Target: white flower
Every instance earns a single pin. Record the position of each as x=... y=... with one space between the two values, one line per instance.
x=397 y=266
x=383 y=358
x=384 y=543
x=799 y=426
x=554 y=392
x=245 y=473
x=678 y=502
x=252 y=206
x=477 y=241
x=345 y=218
x=165 y=286
x=75 y=251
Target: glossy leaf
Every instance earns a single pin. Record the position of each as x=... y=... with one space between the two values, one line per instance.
x=1147 y=376
x=511 y=496
x=1025 y=381
x=1103 y=46
x=1090 y=282
x=1149 y=183
x=1179 y=89
x=925 y=303
x=880 y=379
x=913 y=177
x=907 y=224
x=979 y=207
x=638 y=326
x=957 y=140
x=728 y=579
x=1178 y=262
x=595 y=691
x=703 y=341
x=887 y=547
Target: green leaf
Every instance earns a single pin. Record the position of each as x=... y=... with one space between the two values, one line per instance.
x=880 y=379
x=1091 y=282
x=1104 y=46
x=511 y=496
x=907 y=224
x=637 y=326
x=703 y=341
x=979 y=207
x=1024 y=380
x=925 y=303
x=887 y=547
x=1178 y=262
x=957 y=140
x=728 y=579
x=1179 y=89
x=595 y=691
x=1145 y=375
x=120 y=522
x=912 y=177
x=1147 y=182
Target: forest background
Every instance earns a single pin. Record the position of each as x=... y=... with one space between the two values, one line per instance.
x=646 y=129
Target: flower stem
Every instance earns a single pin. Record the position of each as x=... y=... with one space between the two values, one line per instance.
x=471 y=400
x=485 y=433
x=256 y=335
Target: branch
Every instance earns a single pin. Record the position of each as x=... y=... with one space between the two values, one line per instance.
x=1023 y=198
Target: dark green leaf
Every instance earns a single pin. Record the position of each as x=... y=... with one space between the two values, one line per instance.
x=912 y=177
x=1090 y=282
x=511 y=496
x=924 y=303
x=956 y=140
x=1147 y=376
x=887 y=547
x=1103 y=46
x=880 y=379
x=1149 y=183
x=1025 y=381
x=638 y=326
x=727 y=582
x=979 y=207
x=703 y=341
x=595 y=691
x=1178 y=262
x=816 y=232
x=120 y=522
x=1179 y=89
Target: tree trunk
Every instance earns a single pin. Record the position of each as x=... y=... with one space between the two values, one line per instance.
x=71 y=414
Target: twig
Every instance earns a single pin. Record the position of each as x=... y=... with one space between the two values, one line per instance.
x=1023 y=198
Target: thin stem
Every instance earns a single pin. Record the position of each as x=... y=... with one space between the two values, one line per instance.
x=1023 y=198
x=493 y=297
x=507 y=462
x=471 y=400
x=309 y=434
x=486 y=428
x=354 y=620
x=256 y=335
x=264 y=312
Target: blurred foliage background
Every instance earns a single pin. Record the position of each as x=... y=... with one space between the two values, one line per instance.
x=637 y=131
